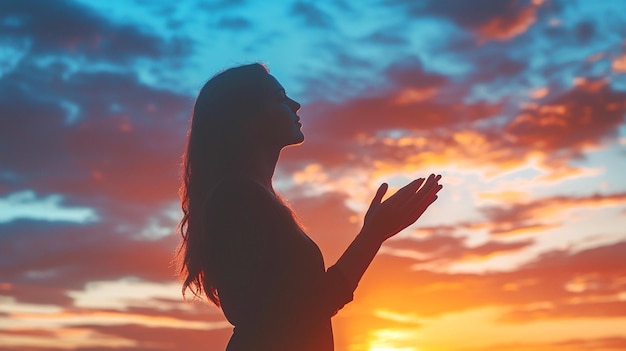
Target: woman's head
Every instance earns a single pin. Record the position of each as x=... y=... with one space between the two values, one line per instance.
x=236 y=108
x=237 y=111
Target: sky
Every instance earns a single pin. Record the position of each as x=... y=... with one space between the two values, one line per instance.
x=520 y=105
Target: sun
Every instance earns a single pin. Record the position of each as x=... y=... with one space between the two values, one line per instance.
x=388 y=339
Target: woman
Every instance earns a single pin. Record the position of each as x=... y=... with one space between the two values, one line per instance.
x=241 y=245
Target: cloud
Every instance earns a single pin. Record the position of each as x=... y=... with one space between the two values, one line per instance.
x=121 y=137
x=444 y=249
x=410 y=73
x=518 y=214
x=216 y=5
x=412 y=124
x=312 y=15
x=544 y=285
x=609 y=344
x=387 y=37
x=234 y=23
x=25 y=204
x=68 y=28
x=354 y=133
x=93 y=337
x=542 y=213
x=585 y=31
x=36 y=296
x=502 y=67
x=567 y=125
x=103 y=252
x=489 y=19
x=619 y=64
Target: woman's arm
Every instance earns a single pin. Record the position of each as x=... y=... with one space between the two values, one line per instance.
x=385 y=219
x=258 y=261
x=257 y=273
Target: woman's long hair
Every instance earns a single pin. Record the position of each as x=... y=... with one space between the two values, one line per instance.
x=213 y=152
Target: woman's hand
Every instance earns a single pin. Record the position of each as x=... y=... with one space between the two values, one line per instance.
x=384 y=220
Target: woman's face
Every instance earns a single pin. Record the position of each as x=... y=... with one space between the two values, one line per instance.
x=278 y=124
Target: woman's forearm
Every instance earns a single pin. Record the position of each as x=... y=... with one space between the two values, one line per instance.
x=385 y=219
x=358 y=256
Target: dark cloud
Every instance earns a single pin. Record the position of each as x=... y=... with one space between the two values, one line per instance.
x=489 y=19
x=387 y=37
x=410 y=73
x=234 y=23
x=563 y=126
x=580 y=38
x=178 y=309
x=38 y=294
x=524 y=217
x=145 y=338
x=68 y=28
x=312 y=15
x=445 y=249
x=161 y=338
x=585 y=31
x=349 y=61
x=500 y=67
x=216 y=5
x=68 y=256
x=41 y=262
x=120 y=134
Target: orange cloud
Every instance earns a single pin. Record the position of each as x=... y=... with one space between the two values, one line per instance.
x=379 y=135
x=508 y=26
x=544 y=279
x=619 y=64
x=539 y=214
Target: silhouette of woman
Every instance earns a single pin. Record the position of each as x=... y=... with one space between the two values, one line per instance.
x=241 y=246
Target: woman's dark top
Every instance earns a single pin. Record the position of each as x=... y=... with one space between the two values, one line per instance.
x=269 y=274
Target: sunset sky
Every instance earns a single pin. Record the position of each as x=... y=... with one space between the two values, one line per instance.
x=520 y=105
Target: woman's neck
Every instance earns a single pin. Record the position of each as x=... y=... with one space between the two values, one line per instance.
x=259 y=164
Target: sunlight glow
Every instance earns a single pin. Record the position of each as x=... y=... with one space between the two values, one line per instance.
x=384 y=339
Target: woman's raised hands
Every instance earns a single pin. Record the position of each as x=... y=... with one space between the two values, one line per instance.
x=387 y=218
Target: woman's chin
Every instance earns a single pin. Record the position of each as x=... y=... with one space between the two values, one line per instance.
x=301 y=138
x=297 y=140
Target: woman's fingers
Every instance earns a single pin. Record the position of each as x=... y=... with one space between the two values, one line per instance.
x=424 y=195
x=402 y=208
x=405 y=193
x=431 y=182
x=416 y=187
x=382 y=189
x=422 y=207
x=428 y=190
